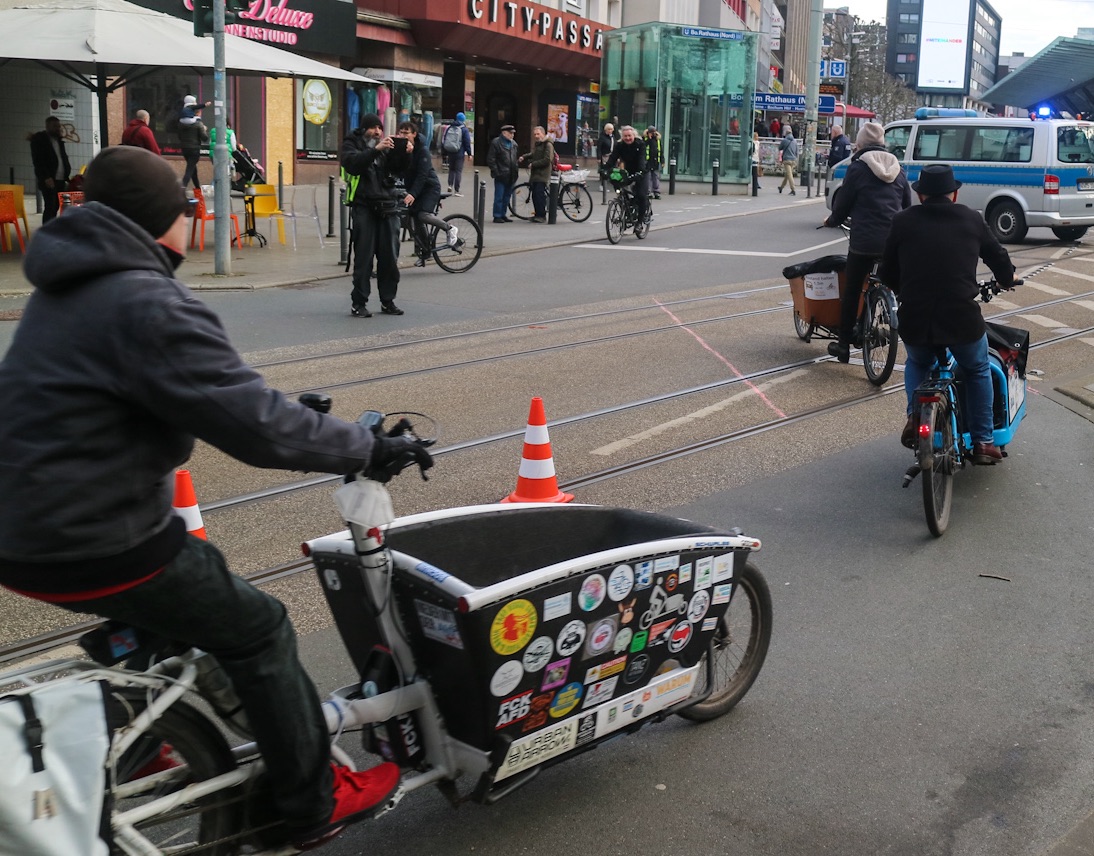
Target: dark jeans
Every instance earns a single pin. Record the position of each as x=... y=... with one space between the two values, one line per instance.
x=539 y=198
x=973 y=368
x=376 y=236
x=50 y=203
x=502 y=191
x=455 y=171
x=191 y=156
x=858 y=268
x=197 y=601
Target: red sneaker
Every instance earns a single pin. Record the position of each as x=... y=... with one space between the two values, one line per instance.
x=357 y=795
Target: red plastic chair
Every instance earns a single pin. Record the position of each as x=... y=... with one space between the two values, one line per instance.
x=203 y=215
x=9 y=214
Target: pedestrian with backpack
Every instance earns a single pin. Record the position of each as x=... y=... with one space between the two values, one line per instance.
x=455 y=146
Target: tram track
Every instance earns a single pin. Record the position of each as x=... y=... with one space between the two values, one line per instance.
x=53 y=639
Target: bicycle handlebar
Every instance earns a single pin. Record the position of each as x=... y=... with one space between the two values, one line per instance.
x=989 y=288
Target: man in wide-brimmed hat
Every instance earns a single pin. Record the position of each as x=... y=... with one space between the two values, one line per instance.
x=930 y=262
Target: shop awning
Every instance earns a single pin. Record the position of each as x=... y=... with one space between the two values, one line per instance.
x=850 y=111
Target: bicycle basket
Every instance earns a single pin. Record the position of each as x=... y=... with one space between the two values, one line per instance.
x=575 y=176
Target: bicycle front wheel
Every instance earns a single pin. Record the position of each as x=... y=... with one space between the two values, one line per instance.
x=520 y=202
x=461 y=256
x=879 y=335
x=576 y=202
x=937 y=462
x=740 y=646
x=180 y=748
x=613 y=222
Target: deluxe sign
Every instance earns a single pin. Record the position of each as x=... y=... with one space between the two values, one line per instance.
x=529 y=19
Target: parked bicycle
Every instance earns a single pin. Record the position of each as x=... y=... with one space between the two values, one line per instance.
x=945 y=444
x=574 y=199
x=454 y=258
x=623 y=213
x=486 y=642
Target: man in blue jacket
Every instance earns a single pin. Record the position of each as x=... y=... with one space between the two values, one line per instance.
x=97 y=416
x=456 y=158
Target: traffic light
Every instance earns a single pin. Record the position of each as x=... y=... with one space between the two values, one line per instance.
x=232 y=8
x=203 y=17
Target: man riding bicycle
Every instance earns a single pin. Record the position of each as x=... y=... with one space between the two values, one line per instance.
x=930 y=263
x=630 y=153
x=423 y=190
x=113 y=372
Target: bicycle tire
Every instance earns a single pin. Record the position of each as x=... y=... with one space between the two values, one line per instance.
x=937 y=462
x=191 y=741
x=879 y=336
x=452 y=259
x=520 y=201
x=613 y=222
x=802 y=327
x=576 y=202
x=739 y=651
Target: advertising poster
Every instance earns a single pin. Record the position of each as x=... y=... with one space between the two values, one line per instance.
x=317 y=125
x=944 y=45
x=558 y=122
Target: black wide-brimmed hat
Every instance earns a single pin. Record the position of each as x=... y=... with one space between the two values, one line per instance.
x=936 y=179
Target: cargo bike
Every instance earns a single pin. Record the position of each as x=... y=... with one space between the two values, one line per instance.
x=487 y=643
x=817 y=289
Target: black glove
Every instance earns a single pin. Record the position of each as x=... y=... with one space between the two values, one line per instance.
x=392 y=455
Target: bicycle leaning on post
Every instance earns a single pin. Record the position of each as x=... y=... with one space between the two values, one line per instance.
x=623 y=213
x=574 y=199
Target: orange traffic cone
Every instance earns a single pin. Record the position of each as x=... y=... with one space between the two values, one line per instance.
x=536 y=480
x=186 y=504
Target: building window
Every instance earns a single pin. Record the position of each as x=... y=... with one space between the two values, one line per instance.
x=909 y=17
x=907 y=39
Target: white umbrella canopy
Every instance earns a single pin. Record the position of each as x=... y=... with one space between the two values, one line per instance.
x=89 y=41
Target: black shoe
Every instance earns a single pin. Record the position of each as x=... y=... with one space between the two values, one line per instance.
x=840 y=351
x=390 y=309
x=502 y=220
x=780 y=188
x=539 y=219
x=909 y=437
x=360 y=312
x=986 y=453
x=793 y=193
x=419 y=262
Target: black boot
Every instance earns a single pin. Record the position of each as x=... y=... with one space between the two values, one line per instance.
x=840 y=350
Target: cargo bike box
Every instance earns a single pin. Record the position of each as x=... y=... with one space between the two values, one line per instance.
x=544 y=629
x=816 y=288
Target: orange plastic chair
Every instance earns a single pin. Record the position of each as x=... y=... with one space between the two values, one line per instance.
x=20 y=204
x=9 y=214
x=203 y=215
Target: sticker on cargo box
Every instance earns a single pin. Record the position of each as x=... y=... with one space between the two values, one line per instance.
x=570 y=638
x=822 y=286
x=438 y=623
x=600 y=637
x=600 y=692
x=537 y=748
x=514 y=709
x=592 y=593
x=566 y=699
x=702 y=572
x=620 y=582
x=723 y=568
x=722 y=593
x=622 y=640
x=557 y=606
x=556 y=673
x=512 y=627
x=538 y=653
x=506 y=678
x=700 y=602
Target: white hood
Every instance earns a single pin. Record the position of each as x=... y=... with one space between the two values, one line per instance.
x=882 y=164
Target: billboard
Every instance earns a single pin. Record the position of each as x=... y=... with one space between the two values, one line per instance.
x=944 y=45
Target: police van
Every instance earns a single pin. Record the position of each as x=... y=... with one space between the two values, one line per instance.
x=1017 y=173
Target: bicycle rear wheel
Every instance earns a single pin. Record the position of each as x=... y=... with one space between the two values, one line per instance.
x=740 y=646
x=180 y=748
x=613 y=222
x=468 y=248
x=879 y=336
x=937 y=462
x=802 y=327
x=520 y=202
x=576 y=202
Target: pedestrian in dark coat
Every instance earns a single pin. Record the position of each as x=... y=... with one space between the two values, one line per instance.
x=501 y=159
x=930 y=261
x=51 y=166
x=873 y=191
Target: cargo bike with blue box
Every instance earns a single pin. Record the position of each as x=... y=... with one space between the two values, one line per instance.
x=817 y=288
x=487 y=642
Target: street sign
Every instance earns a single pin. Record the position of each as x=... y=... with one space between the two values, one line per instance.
x=792 y=103
x=833 y=68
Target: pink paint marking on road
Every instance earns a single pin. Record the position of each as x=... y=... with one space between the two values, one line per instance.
x=730 y=365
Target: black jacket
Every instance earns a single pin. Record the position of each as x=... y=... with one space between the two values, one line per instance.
x=930 y=262
x=45 y=159
x=420 y=179
x=840 y=150
x=605 y=145
x=370 y=172
x=193 y=136
x=632 y=155
x=873 y=191
x=502 y=160
x=114 y=369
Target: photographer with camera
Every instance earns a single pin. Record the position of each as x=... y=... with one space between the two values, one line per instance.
x=371 y=161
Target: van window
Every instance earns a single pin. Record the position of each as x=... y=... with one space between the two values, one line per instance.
x=942 y=142
x=1075 y=144
x=1001 y=144
x=896 y=139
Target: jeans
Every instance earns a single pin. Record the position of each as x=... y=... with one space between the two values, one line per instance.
x=197 y=601
x=972 y=359
x=376 y=236
x=502 y=191
x=455 y=171
x=539 y=198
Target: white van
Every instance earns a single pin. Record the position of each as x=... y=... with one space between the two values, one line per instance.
x=1016 y=172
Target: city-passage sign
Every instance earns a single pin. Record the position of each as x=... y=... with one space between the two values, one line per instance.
x=792 y=103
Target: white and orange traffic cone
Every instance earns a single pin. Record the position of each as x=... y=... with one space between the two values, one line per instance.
x=186 y=504
x=536 y=480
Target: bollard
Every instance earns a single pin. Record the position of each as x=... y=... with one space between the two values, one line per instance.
x=343 y=223
x=603 y=189
x=672 y=176
x=755 y=179
x=475 y=193
x=281 y=185
x=552 y=199
x=480 y=211
x=330 y=206
x=714 y=184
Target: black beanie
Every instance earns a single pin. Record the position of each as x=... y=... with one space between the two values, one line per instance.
x=137 y=183
x=370 y=120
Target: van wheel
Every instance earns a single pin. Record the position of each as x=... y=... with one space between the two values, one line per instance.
x=1069 y=233
x=1007 y=223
